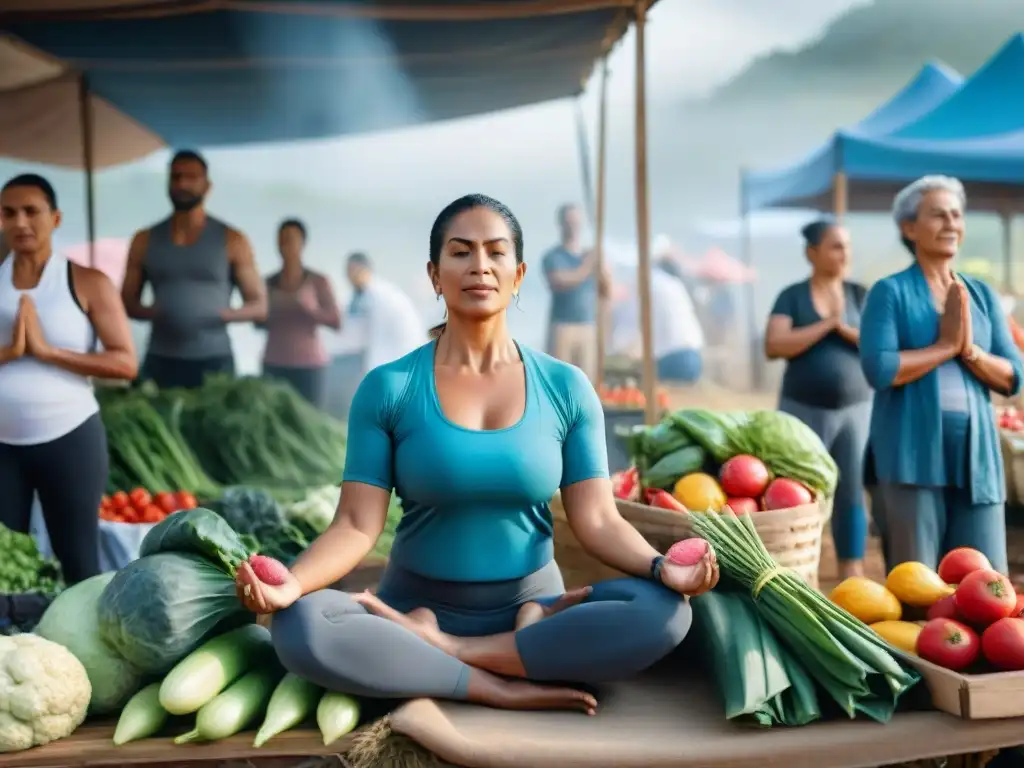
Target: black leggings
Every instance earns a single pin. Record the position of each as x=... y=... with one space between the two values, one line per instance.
x=69 y=474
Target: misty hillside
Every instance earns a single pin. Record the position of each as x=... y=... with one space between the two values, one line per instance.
x=882 y=40
x=781 y=106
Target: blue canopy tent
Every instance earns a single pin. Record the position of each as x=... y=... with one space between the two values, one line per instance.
x=810 y=182
x=129 y=76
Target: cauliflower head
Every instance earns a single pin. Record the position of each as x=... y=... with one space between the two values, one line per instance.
x=44 y=692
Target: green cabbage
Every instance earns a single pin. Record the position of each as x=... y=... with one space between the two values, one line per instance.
x=158 y=609
x=199 y=532
x=71 y=620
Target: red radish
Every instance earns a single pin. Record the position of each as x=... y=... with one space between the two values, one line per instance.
x=744 y=475
x=1018 y=609
x=742 y=505
x=688 y=551
x=949 y=644
x=268 y=570
x=984 y=597
x=1003 y=644
x=944 y=609
x=783 y=493
x=959 y=562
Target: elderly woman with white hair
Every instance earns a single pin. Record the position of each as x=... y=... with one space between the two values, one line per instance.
x=934 y=344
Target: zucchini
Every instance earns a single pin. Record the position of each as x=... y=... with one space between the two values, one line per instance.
x=141 y=717
x=293 y=701
x=231 y=711
x=336 y=715
x=208 y=670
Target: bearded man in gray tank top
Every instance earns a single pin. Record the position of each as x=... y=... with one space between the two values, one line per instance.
x=192 y=262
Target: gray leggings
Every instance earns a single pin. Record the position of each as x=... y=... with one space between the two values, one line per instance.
x=625 y=626
x=844 y=431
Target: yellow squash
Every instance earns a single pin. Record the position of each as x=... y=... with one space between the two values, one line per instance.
x=867 y=600
x=918 y=585
x=899 y=634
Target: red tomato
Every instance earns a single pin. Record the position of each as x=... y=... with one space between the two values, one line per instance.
x=186 y=500
x=958 y=562
x=744 y=476
x=166 y=501
x=140 y=498
x=151 y=514
x=985 y=596
x=1003 y=644
x=104 y=501
x=120 y=500
x=949 y=644
x=1018 y=609
x=944 y=609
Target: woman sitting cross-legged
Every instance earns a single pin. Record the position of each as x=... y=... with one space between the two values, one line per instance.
x=476 y=433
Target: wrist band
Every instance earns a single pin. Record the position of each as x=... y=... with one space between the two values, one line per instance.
x=656 y=566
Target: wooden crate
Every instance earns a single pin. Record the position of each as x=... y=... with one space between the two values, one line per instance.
x=971 y=697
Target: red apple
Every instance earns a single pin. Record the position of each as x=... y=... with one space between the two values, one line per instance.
x=783 y=493
x=741 y=505
x=744 y=476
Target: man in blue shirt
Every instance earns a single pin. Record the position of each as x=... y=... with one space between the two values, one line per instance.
x=576 y=288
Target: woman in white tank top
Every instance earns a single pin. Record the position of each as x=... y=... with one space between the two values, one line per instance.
x=54 y=316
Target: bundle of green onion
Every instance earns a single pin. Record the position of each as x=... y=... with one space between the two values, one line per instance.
x=850 y=661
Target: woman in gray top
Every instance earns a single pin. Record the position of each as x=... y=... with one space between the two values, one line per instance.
x=815 y=327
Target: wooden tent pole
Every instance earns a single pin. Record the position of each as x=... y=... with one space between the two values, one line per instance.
x=643 y=220
x=840 y=201
x=599 y=221
x=85 y=113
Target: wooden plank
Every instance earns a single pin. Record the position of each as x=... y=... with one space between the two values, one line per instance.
x=92 y=745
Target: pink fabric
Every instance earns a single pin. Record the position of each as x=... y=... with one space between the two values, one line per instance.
x=111 y=257
x=293 y=339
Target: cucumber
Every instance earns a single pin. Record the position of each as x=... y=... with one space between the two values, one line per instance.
x=141 y=717
x=231 y=711
x=336 y=715
x=293 y=701
x=209 y=669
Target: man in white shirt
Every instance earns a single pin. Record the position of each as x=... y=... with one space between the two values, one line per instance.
x=389 y=322
x=678 y=337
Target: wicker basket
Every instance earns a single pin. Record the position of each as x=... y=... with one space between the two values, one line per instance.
x=791 y=536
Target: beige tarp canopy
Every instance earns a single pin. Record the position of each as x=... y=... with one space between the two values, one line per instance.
x=42 y=109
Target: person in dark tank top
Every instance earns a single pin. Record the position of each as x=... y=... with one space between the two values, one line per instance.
x=814 y=326
x=192 y=262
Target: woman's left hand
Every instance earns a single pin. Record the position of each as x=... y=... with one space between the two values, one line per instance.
x=35 y=342
x=691 y=580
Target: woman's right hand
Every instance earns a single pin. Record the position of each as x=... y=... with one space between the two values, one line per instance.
x=18 y=343
x=951 y=326
x=262 y=598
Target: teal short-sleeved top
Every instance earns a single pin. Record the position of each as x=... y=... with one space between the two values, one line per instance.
x=475 y=502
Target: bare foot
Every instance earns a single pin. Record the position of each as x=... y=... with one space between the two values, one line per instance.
x=420 y=621
x=493 y=691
